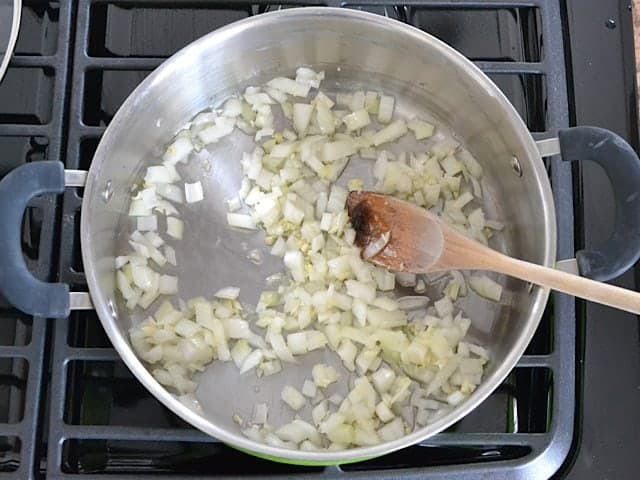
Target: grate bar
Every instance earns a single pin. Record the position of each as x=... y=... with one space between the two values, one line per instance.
x=25 y=130
x=86 y=131
x=453 y=4
x=536 y=361
x=14 y=351
x=126 y=432
x=487 y=439
x=107 y=63
x=93 y=354
x=512 y=67
x=21 y=61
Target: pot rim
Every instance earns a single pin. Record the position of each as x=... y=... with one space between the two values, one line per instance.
x=488 y=385
x=13 y=37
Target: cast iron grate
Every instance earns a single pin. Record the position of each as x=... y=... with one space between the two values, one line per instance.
x=101 y=421
x=32 y=97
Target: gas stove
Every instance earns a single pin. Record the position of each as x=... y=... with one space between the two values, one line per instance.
x=70 y=408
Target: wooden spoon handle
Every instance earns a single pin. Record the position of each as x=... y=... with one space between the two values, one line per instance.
x=565 y=282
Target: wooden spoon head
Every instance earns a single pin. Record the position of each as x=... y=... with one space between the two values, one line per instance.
x=395 y=234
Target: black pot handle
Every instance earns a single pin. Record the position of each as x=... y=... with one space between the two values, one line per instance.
x=622 y=166
x=23 y=290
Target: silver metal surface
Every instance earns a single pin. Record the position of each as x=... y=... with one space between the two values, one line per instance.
x=10 y=12
x=80 y=301
x=355 y=49
x=570 y=265
x=549 y=147
x=75 y=178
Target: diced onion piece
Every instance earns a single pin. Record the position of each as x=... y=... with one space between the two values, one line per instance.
x=294 y=261
x=301 y=117
x=324 y=375
x=252 y=361
x=364 y=291
x=322 y=98
x=391 y=132
x=332 y=151
x=420 y=129
x=175 y=227
x=178 y=151
x=309 y=389
x=222 y=127
x=240 y=220
x=260 y=413
x=471 y=164
x=168 y=285
x=383 y=378
x=375 y=247
x=232 y=108
x=289 y=86
x=138 y=208
x=384 y=413
x=240 y=352
x=356 y=120
x=485 y=287
x=292 y=397
x=392 y=430
x=228 y=293
x=319 y=412
x=455 y=398
x=147 y=223
x=297 y=343
x=385 y=108
x=170 y=192
x=413 y=302
x=337 y=200
x=347 y=352
x=280 y=347
x=193 y=192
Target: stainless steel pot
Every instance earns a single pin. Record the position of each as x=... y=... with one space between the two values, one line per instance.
x=356 y=50
x=10 y=12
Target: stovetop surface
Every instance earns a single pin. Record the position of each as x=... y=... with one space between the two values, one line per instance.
x=69 y=407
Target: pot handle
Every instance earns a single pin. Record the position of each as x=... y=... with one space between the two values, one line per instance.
x=19 y=286
x=622 y=166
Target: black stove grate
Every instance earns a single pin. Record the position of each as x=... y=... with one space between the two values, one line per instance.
x=32 y=107
x=100 y=420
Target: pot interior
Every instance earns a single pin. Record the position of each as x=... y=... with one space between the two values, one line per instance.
x=356 y=51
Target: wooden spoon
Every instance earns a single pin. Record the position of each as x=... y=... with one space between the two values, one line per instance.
x=403 y=237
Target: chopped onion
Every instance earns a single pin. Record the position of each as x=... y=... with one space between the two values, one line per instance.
x=286 y=85
x=147 y=223
x=168 y=285
x=178 y=151
x=420 y=129
x=328 y=296
x=375 y=247
x=356 y=120
x=324 y=375
x=170 y=192
x=309 y=389
x=252 y=361
x=486 y=287
x=228 y=293
x=301 y=117
x=389 y=133
x=385 y=109
x=240 y=220
x=193 y=192
x=294 y=261
x=175 y=227
x=292 y=397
